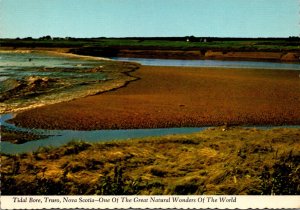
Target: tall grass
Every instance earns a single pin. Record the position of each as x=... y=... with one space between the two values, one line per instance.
x=234 y=161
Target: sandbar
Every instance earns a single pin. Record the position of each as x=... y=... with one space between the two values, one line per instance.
x=180 y=97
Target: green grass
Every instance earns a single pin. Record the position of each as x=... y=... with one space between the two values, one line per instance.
x=235 y=161
x=237 y=45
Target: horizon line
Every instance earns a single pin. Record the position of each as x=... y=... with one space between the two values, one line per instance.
x=132 y=37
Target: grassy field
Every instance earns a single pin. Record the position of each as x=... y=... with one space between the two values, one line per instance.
x=217 y=161
x=273 y=45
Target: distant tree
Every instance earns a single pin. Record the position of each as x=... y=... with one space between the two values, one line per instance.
x=294 y=38
x=70 y=38
x=57 y=38
x=45 y=38
x=191 y=39
x=28 y=38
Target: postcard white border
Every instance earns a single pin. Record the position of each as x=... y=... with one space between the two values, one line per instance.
x=153 y=202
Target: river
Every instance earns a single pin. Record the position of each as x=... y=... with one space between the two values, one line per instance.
x=55 y=138
x=213 y=63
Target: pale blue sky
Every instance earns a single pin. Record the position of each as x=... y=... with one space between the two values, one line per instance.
x=133 y=18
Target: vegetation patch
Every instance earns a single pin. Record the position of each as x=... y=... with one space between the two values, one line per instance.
x=234 y=161
x=18 y=137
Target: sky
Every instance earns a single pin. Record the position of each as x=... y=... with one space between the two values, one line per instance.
x=149 y=18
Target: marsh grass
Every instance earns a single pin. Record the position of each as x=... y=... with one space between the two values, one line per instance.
x=234 y=161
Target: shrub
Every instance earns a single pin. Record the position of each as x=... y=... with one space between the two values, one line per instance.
x=283 y=178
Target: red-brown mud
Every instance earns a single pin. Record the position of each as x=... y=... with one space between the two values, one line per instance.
x=180 y=96
x=209 y=54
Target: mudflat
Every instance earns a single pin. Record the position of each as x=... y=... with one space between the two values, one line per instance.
x=180 y=97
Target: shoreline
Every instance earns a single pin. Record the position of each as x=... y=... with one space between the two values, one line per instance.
x=278 y=57
x=14 y=136
x=54 y=52
x=121 y=78
x=231 y=162
x=179 y=97
x=192 y=54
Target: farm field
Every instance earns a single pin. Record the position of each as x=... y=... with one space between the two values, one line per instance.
x=266 y=49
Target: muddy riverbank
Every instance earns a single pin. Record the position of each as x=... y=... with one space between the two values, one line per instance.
x=180 y=97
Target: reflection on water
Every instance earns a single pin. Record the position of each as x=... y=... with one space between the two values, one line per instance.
x=32 y=79
x=56 y=138
x=61 y=137
x=212 y=63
